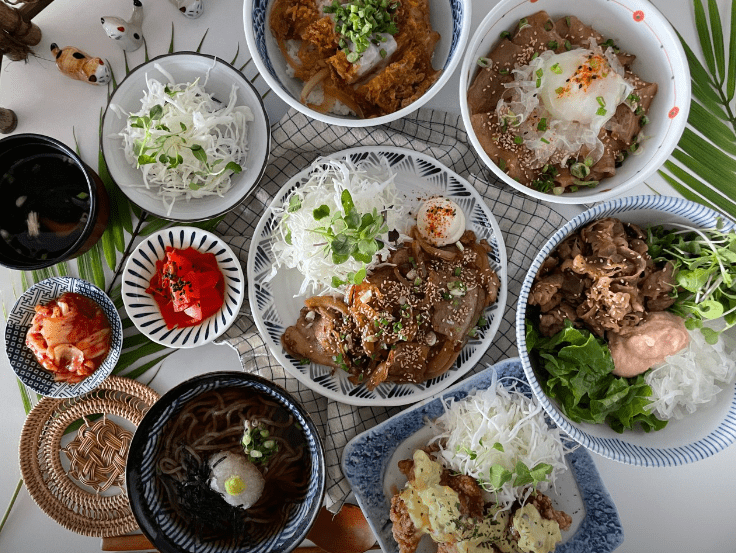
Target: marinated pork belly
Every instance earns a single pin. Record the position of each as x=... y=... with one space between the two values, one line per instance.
x=70 y=336
x=490 y=89
x=407 y=321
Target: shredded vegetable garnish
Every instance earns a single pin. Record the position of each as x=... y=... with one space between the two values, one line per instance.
x=335 y=226
x=186 y=142
x=693 y=376
x=360 y=23
x=500 y=437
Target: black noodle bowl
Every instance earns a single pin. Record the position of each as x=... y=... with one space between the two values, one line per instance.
x=167 y=468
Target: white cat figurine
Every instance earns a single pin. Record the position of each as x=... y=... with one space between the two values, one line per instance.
x=126 y=34
x=190 y=8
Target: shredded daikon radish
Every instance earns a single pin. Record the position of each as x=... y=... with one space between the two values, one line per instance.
x=297 y=245
x=202 y=141
x=472 y=428
x=692 y=376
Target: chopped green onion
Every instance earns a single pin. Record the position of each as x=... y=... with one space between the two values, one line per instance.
x=601 y=111
x=518 y=139
x=556 y=69
x=601 y=101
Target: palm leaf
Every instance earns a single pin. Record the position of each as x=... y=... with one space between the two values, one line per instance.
x=716 y=30
x=702 y=167
x=731 y=80
x=701 y=25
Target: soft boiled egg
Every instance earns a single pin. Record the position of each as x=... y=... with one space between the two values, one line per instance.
x=440 y=221
x=580 y=85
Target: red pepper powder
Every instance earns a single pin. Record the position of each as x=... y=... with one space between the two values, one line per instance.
x=438 y=219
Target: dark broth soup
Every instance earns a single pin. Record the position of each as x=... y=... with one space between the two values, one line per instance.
x=214 y=423
x=48 y=204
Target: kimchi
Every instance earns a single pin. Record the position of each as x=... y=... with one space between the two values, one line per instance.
x=70 y=336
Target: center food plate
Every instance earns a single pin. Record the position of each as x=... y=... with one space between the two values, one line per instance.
x=372 y=458
x=276 y=305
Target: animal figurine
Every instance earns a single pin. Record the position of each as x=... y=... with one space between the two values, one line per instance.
x=74 y=63
x=126 y=34
x=190 y=8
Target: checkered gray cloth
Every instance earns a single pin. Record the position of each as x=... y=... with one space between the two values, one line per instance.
x=297 y=141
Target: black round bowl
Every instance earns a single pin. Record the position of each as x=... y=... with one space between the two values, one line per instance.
x=29 y=152
x=148 y=499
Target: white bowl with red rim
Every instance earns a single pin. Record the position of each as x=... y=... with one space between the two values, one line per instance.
x=638 y=28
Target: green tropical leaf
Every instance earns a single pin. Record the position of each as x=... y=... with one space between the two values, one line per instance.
x=701 y=25
x=731 y=79
x=171 y=43
x=691 y=183
x=716 y=30
x=199 y=46
x=702 y=167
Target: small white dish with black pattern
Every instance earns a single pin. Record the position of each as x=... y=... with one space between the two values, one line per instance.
x=141 y=306
x=22 y=359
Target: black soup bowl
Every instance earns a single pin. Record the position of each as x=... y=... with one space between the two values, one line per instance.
x=185 y=434
x=54 y=206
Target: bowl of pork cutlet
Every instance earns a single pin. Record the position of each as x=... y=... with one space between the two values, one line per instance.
x=360 y=63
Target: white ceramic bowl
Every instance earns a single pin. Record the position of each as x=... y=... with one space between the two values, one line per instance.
x=450 y=18
x=142 y=308
x=711 y=428
x=217 y=77
x=637 y=28
x=21 y=358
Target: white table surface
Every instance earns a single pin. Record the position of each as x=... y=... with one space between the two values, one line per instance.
x=682 y=509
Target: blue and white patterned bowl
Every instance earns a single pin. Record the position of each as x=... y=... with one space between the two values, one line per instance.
x=370 y=463
x=450 y=18
x=24 y=363
x=142 y=308
x=146 y=494
x=711 y=428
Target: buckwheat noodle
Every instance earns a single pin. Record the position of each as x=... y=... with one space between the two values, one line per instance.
x=213 y=423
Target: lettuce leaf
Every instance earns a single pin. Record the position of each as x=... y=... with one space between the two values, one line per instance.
x=577 y=373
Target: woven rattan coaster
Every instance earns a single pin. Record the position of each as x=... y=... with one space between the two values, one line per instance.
x=97 y=457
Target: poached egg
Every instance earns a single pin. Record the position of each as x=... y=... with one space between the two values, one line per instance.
x=580 y=85
x=440 y=221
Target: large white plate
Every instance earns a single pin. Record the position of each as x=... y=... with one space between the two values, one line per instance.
x=370 y=463
x=276 y=306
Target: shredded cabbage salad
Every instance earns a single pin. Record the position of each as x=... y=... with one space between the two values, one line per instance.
x=500 y=437
x=186 y=142
x=316 y=213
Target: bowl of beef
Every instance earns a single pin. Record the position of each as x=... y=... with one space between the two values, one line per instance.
x=574 y=108
x=625 y=328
